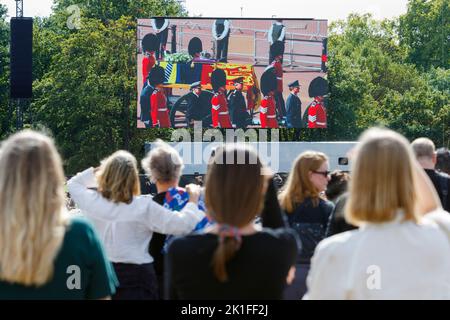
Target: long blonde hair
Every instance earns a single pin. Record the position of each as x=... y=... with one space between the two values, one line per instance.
x=383 y=180
x=298 y=186
x=118 y=177
x=32 y=208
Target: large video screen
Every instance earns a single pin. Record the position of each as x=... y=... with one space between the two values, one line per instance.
x=232 y=73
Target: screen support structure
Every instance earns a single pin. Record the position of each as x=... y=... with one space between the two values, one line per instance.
x=19 y=8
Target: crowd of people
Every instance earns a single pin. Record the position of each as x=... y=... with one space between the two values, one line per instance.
x=380 y=232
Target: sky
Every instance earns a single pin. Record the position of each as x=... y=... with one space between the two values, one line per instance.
x=318 y=9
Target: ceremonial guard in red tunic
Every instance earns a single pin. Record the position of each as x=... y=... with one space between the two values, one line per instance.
x=158 y=101
x=317 y=115
x=267 y=112
x=219 y=111
x=149 y=45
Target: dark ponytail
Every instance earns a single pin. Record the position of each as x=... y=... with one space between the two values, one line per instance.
x=229 y=243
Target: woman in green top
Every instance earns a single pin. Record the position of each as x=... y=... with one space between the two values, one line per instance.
x=44 y=254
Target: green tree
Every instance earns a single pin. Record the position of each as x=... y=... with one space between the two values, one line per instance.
x=85 y=79
x=106 y=10
x=4 y=73
x=84 y=98
x=47 y=40
x=370 y=84
x=425 y=30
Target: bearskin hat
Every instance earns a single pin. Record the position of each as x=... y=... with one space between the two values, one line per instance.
x=156 y=75
x=195 y=46
x=218 y=79
x=277 y=48
x=268 y=81
x=318 y=87
x=150 y=42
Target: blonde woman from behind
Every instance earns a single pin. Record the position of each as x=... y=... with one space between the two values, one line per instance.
x=44 y=254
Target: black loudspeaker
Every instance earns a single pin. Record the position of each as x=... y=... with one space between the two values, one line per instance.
x=324 y=68
x=21 y=58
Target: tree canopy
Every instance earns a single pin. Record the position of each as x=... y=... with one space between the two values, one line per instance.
x=424 y=30
x=373 y=82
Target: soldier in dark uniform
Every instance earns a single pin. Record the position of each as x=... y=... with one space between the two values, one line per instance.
x=236 y=103
x=198 y=109
x=144 y=101
x=276 y=33
x=294 y=106
x=221 y=33
x=161 y=28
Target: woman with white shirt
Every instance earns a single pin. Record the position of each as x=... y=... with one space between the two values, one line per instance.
x=125 y=220
x=398 y=253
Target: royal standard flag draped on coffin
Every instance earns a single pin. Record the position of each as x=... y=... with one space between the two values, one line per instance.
x=182 y=75
x=187 y=73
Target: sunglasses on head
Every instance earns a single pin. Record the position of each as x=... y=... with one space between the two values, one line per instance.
x=324 y=173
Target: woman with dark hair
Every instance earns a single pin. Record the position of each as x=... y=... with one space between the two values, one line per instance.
x=234 y=259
